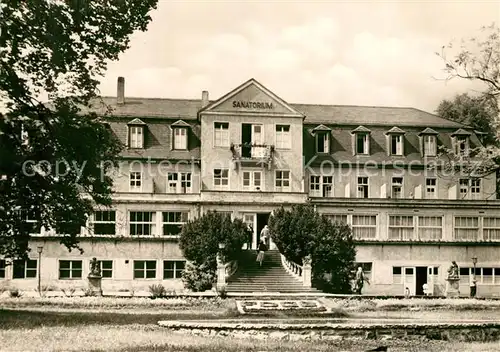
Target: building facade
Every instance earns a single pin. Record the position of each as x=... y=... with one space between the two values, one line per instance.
x=378 y=169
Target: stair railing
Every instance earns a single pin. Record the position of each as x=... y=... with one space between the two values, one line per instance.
x=300 y=272
x=225 y=271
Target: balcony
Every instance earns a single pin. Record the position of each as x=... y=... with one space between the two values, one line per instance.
x=253 y=154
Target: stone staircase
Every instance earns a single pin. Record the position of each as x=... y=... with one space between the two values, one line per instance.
x=270 y=277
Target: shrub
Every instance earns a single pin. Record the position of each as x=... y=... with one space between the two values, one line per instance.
x=198 y=277
x=15 y=293
x=199 y=242
x=302 y=231
x=157 y=291
x=69 y=291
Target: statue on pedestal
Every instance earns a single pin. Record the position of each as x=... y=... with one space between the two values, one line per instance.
x=453 y=272
x=95 y=277
x=452 y=281
x=95 y=268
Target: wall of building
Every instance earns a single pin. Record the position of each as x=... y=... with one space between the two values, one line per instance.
x=221 y=157
x=386 y=256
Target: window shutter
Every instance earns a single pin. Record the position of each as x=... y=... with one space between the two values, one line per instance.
x=127 y=139
x=353 y=139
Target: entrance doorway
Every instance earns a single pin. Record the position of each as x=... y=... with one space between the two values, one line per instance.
x=421 y=279
x=262 y=219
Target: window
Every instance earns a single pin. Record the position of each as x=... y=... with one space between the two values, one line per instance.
x=430 y=228
x=337 y=218
x=135 y=181
x=2 y=268
x=221 y=178
x=363 y=187
x=321 y=186
x=323 y=142
x=430 y=145
x=364 y=227
x=70 y=269
x=106 y=268
x=180 y=138
x=179 y=182
x=362 y=143
x=136 y=137
x=282 y=181
x=397 y=187
x=466 y=228
x=469 y=188
x=24 y=269
x=462 y=145
x=221 y=131
x=486 y=275
x=464 y=274
x=397 y=275
x=396 y=144
x=172 y=269
x=104 y=222
x=430 y=188
x=401 y=227
x=483 y=275
x=142 y=223
x=252 y=180
x=144 y=269
x=173 y=222
x=491 y=229
x=475 y=188
x=283 y=138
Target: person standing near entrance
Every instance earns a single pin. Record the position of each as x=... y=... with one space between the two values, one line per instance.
x=264 y=235
x=262 y=249
x=359 y=280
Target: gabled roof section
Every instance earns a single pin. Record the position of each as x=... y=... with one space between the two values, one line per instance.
x=253 y=98
x=180 y=123
x=428 y=130
x=361 y=129
x=461 y=132
x=395 y=130
x=321 y=128
x=136 y=122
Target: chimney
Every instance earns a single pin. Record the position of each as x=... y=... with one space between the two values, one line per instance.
x=120 y=95
x=204 y=98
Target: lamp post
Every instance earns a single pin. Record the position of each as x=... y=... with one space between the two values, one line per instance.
x=40 y=250
x=473 y=284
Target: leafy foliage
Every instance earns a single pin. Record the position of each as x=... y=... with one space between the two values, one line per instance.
x=199 y=241
x=157 y=291
x=476 y=59
x=302 y=231
x=478 y=112
x=51 y=154
x=198 y=277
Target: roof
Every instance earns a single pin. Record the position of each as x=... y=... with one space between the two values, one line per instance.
x=187 y=109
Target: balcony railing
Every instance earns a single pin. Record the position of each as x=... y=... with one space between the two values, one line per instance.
x=253 y=153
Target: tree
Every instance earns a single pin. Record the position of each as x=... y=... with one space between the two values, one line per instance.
x=55 y=158
x=478 y=60
x=200 y=241
x=478 y=112
x=302 y=232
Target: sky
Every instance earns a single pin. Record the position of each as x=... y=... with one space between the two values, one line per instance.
x=375 y=53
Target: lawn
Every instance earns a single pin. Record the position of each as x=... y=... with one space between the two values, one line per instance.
x=130 y=324
x=139 y=338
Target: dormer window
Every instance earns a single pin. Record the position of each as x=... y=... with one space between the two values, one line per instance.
x=136 y=130
x=461 y=142
x=180 y=135
x=430 y=145
x=429 y=142
x=361 y=140
x=180 y=138
x=462 y=145
x=136 y=137
x=323 y=142
x=397 y=144
x=395 y=141
x=322 y=134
